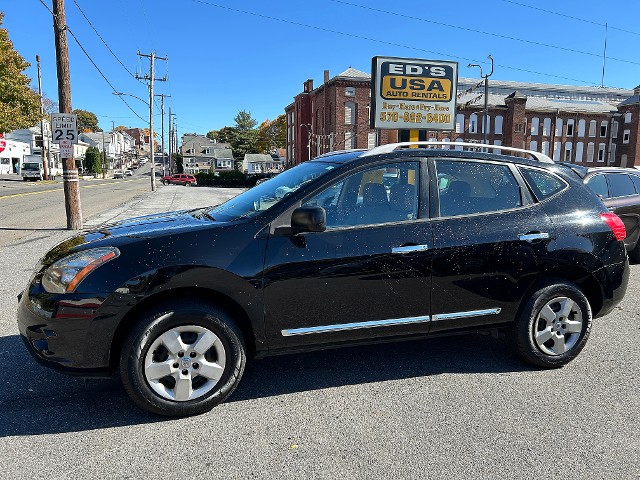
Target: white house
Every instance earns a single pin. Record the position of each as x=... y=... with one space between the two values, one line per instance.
x=255 y=163
x=12 y=155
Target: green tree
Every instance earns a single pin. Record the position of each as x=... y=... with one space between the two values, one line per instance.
x=177 y=161
x=245 y=135
x=93 y=160
x=224 y=135
x=87 y=121
x=19 y=105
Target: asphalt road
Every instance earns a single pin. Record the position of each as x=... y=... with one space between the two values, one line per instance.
x=458 y=407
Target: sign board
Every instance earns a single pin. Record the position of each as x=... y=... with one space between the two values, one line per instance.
x=64 y=126
x=3 y=144
x=413 y=94
x=66 y=148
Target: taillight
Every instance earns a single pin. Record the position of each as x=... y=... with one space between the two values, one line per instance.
x=615 y=224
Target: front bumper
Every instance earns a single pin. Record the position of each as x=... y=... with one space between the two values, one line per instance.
x=66 y=334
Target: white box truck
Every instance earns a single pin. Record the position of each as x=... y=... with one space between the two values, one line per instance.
x=32 y=169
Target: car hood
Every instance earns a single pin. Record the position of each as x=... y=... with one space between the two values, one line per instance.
x=132 y=229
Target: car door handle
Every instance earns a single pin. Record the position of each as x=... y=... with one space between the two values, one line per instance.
x=410 y=248
x=531 y=236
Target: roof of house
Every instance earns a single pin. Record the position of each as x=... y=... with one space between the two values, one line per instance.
x=258 y=157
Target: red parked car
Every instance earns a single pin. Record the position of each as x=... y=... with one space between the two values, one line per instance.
x=180 y=179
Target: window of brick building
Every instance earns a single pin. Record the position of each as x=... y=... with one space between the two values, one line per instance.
x=460 y=123
x=592 y=128
x=627 y=117
x=570 y=127
x=533 y=146
x=579 y=149
x=535 y=125
x=371 y=140
x=350 y=92
x=601 y=151
x=546 y=126
x=614 y=129
x=567 y=151
x=349 y=113
x=556 y=151
x=473 y=123
x=590 y=148
x=499 y=120
x=545 y=148
x=518 y=127
x=349 y=140
x=558 y=127
x=625 y=136
x=603 y=128
x=486 y=122
x=581 y=126
x=497 y=143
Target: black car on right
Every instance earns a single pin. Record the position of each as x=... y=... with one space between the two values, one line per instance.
x=619 y=190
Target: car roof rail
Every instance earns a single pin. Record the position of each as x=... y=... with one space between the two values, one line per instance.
x=339 y=152
x=390 y=147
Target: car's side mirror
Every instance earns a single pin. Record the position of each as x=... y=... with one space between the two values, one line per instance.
x=308 y=219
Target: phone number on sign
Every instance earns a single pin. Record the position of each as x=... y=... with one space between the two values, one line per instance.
x=415 y=117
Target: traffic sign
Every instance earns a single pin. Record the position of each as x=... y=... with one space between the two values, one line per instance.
x=3 y=144
x=66 y=149
x=64 y=126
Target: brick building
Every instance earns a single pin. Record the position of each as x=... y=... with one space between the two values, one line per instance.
x=585 y=125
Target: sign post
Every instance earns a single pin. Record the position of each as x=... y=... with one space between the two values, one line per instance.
x=413 y=94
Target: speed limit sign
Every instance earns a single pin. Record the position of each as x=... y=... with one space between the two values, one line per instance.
x=64 y=126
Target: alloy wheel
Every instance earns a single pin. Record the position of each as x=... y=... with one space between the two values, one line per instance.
x=558 y=326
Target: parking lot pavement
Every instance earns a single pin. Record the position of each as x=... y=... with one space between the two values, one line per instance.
x=457 y=407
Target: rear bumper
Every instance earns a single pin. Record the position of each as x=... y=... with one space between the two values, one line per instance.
x=614 y=279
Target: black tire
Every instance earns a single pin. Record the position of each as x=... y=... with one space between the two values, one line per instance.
x=529 y=333
x=187 y=184
x=181 y=315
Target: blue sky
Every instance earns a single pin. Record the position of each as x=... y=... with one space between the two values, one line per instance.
x=232 y=55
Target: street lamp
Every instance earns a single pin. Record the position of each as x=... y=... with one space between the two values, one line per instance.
x=308 y=125
x=485 y=123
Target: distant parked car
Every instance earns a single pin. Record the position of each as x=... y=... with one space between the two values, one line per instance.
x=128 y=173
x=180 y=179
x=118 y=174
x=619 y=190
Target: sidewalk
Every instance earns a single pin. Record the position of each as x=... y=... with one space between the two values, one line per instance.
x=166 y=198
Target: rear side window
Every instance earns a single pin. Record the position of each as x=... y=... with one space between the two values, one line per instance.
x=598 y=184
x=475 y=187
x=636 y=182
x=543 y=184
x=621 y=185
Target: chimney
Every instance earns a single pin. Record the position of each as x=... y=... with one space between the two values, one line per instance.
x=326 y=76
x=308 y=86
x=636 y=91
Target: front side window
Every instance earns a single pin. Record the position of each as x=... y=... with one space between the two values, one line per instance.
x=621 y=185
x=385 y=194
x=466 y=187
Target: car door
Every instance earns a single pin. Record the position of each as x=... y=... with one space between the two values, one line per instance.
x=488 y=234
x=367 y=276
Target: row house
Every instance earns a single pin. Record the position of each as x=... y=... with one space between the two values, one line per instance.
x=31 y=141
x=585 y=125
x=119 y=146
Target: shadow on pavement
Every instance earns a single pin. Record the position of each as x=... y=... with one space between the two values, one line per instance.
x=33 y=229
x=35 y=400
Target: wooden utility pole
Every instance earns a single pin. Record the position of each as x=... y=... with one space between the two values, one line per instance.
x=43 y=151
x=69 y=170
x=152 y=60
x=170 y=143
x=164 y=163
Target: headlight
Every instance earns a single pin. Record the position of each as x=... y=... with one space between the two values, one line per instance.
x=65 y=275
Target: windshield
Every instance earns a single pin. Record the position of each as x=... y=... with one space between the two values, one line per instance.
x=30 y=166
x=269 y=193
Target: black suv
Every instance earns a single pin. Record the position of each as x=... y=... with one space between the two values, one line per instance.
x=348 y=248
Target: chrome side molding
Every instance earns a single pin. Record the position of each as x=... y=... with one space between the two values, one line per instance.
x=410 y=248
x=353 y=326
x=338 y=327
x=469 y=314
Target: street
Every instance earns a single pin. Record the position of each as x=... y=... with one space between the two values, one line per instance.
x=456 y=407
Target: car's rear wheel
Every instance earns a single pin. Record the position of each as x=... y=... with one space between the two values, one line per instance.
x=553 y=325
x=183 y=359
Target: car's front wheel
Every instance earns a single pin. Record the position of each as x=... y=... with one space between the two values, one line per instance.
x=553 y=325
x=183 y=359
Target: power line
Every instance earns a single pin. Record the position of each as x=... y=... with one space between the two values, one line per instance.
x=94 y=63
x=103 y=41
x=482 y=32
x=384 y=42
x=571 y=17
